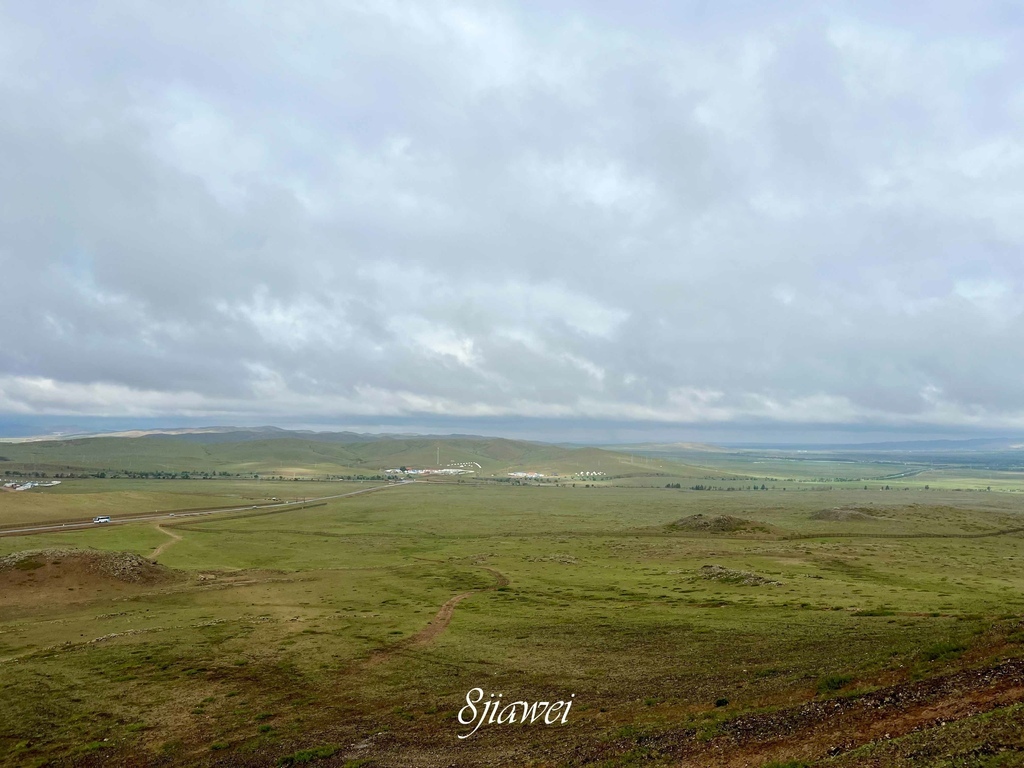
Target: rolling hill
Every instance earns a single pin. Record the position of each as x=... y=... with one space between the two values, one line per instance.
x=269 y=451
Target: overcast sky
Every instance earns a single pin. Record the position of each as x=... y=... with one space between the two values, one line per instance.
x=684 y=215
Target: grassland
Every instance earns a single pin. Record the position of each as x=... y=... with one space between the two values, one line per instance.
x=318 y=634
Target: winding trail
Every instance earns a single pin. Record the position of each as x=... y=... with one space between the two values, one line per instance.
x=175 y=538
x=435 y=626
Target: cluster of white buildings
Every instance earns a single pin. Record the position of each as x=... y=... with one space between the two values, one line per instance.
x=588 y=474
x=20 y=486
x=444 y=471
x=525 y=474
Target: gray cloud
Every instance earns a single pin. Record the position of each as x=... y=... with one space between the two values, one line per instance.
x=696 y=212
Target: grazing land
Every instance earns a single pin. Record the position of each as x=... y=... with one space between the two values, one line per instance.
x=785 y=612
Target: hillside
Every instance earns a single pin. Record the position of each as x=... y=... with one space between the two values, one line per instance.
x=302 y=454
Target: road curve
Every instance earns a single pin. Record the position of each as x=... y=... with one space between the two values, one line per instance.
x=280 y=506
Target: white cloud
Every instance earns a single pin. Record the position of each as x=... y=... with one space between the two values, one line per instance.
x=800 y=214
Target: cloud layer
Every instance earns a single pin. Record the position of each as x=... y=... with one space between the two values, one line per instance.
x=691 y=213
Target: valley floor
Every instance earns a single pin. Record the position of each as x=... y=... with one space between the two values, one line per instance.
x=838 y=627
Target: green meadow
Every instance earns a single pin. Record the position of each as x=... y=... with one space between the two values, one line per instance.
x=350 y=633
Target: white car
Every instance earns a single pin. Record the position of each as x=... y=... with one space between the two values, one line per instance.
x=101 y=519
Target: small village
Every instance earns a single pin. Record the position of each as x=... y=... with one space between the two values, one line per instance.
x=18 y=485
x=441 y=471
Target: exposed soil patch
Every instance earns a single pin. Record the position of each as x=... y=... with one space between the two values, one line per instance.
x=729 y=576
x=718 y=524
x=45 y=575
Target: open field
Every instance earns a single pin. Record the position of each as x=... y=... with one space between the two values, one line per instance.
x=844 y=626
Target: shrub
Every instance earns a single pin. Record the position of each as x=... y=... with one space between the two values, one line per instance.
x=943 y=650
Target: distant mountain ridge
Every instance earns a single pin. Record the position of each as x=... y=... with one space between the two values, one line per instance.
x=271 y=451
x=666 y=447
x=229 y=434
x=971 y=444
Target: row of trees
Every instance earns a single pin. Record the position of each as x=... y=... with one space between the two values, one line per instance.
x=702 y=487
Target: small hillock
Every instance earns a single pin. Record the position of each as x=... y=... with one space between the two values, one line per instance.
x=80 y=565
x=729 y=576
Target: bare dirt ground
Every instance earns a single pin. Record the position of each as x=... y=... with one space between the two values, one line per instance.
x=71 y=575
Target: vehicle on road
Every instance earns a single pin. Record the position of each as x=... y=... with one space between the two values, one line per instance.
x=101 y=519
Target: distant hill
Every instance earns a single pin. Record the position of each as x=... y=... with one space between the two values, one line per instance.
x=977 y=444
x=668 y=448
x=272 y=451
x=216 y=435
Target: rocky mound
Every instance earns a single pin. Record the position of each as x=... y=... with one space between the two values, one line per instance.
x=844 y=514
x=717 y=524
x=80 y=565
x=729 y=576
x=564 y=559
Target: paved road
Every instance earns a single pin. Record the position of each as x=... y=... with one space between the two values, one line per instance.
x=280 y=506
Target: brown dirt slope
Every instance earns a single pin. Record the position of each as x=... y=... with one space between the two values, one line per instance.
x=45 y=574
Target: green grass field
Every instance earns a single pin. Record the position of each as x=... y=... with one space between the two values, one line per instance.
x=318 y=635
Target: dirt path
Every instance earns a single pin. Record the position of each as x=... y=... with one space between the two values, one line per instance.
x=437 y=625
x=175 y=538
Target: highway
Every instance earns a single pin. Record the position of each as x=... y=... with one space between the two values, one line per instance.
x=280 y=507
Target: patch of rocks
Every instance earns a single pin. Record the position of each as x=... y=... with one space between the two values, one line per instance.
x=564 y=559
x=122 y=566
x=729 y=576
